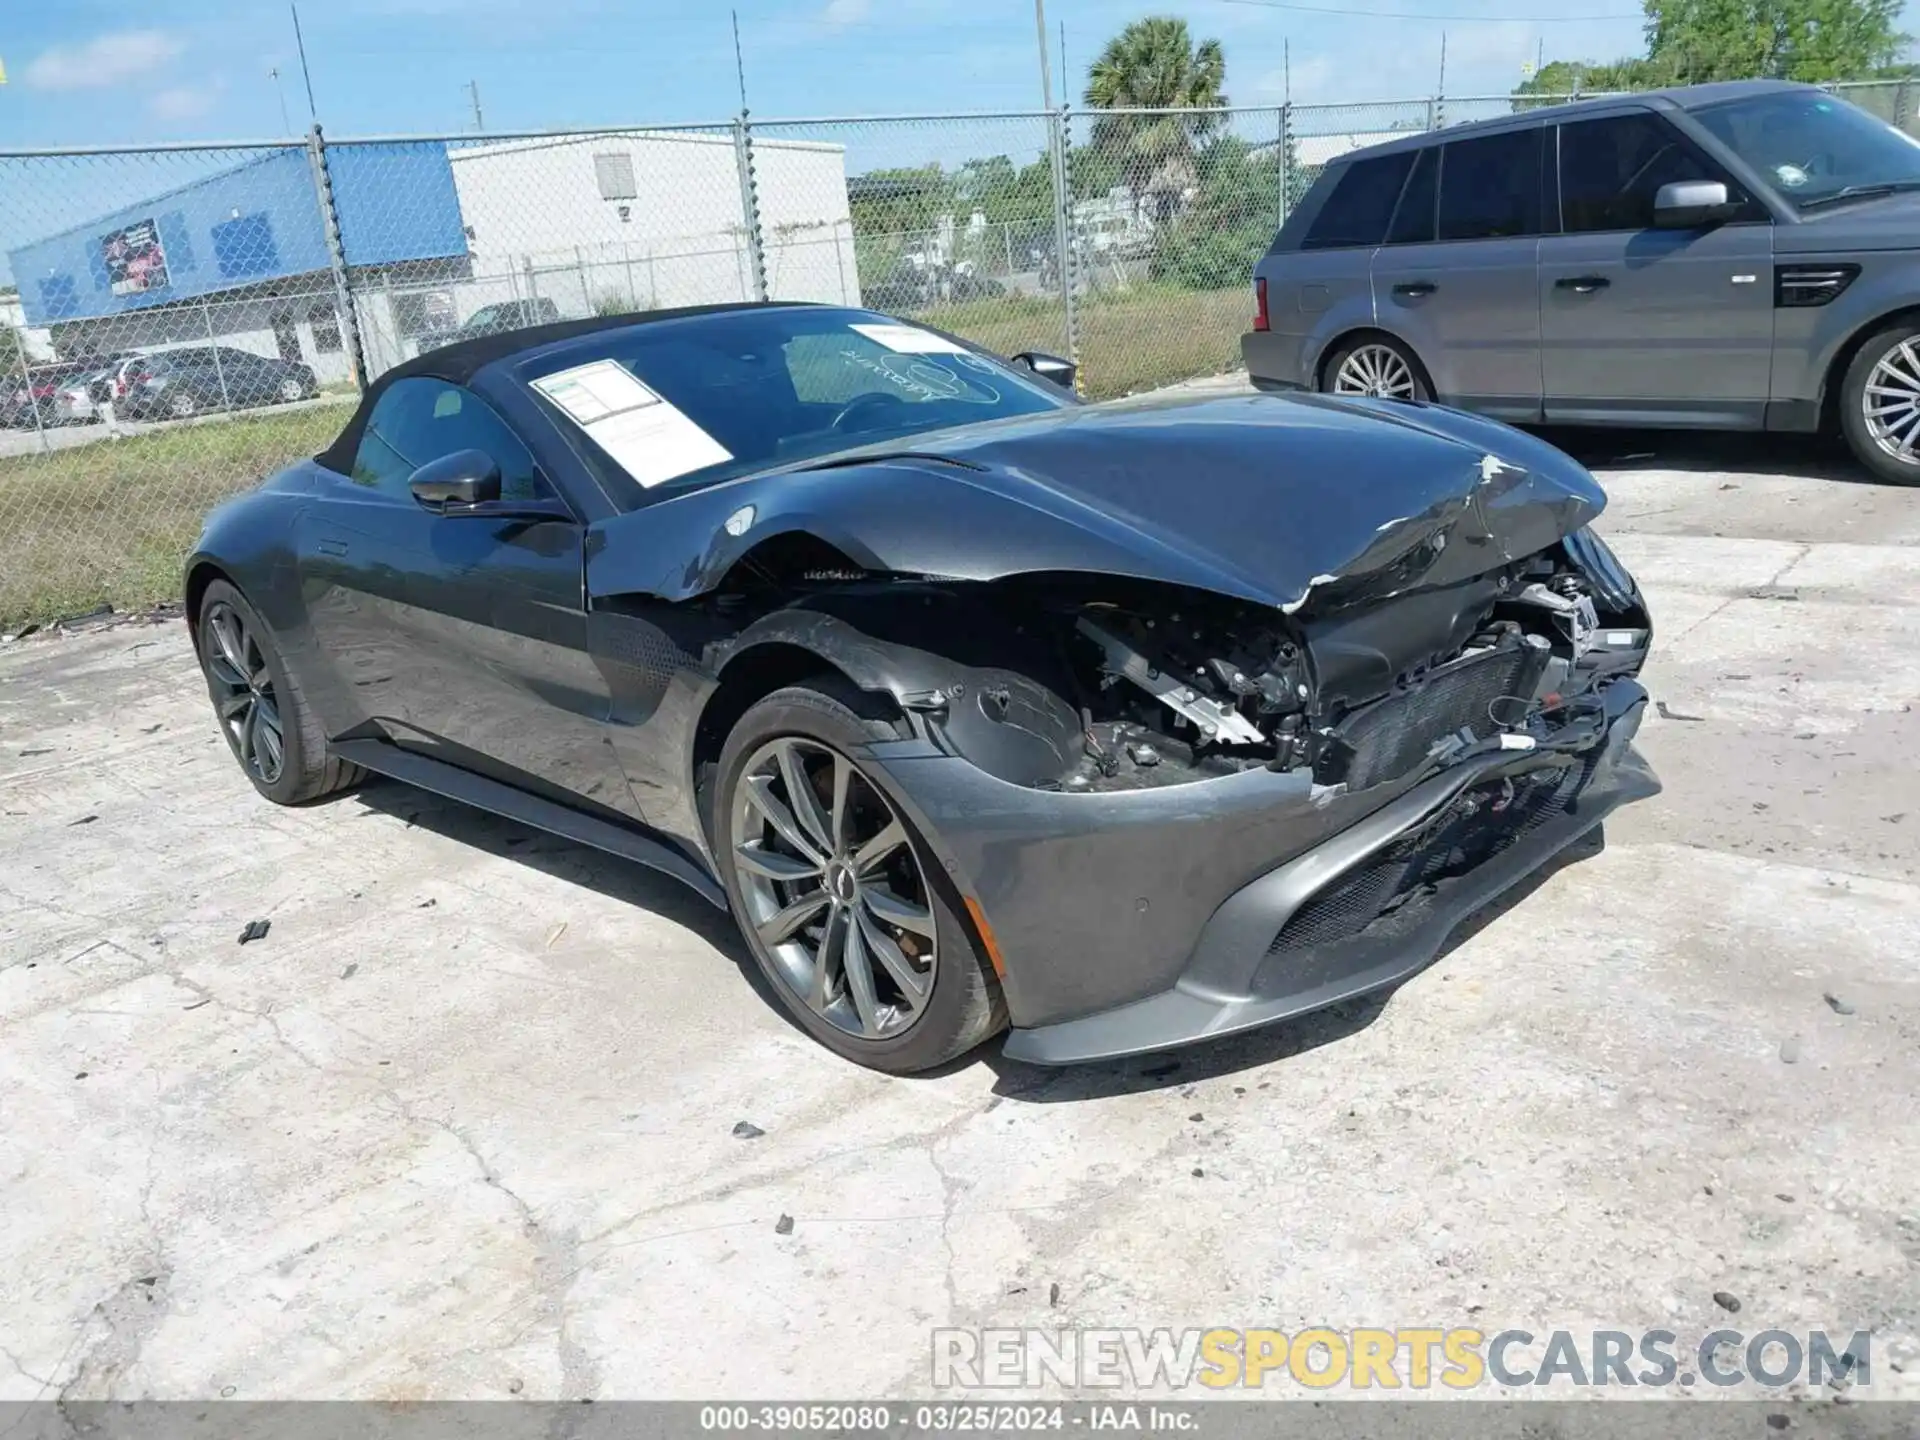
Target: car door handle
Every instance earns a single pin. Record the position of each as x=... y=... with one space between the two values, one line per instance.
x=1582 y=284
x=332 y=547
x=1413 y=289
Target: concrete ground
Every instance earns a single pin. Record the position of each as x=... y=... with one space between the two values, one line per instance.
x=461 y=1124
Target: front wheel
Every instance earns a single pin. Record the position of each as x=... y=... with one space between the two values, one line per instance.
x=1880 y=404
x=1377 y=366
x=843 y=906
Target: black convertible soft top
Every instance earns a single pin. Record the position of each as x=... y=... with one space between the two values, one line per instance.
x=458 y=363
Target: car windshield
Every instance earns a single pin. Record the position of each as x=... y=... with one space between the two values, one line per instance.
x=723 y=394
x=1811 y=147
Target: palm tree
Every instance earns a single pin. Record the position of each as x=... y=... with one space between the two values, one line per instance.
x=1154 y=64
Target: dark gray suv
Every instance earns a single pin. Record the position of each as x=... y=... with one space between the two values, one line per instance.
x=1734 y=256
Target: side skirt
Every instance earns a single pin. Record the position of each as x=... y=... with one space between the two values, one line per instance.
x=478 y=791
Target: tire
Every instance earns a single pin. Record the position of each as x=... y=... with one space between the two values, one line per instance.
x=819 y=726
x=1876 y=439
x=245 y=695
x=1379 y=355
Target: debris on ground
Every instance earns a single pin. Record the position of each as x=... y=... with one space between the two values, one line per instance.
x=783 y=1226
x=1727 y=1302
x=1783 y=1197
x=1196 y=1117
x=83 y=820
x=348 y=973
x=516 y=1385
x=1837 y=1004
x=1667 y=713
x=1053 y=1294
x=1790 y=1050
x=747 y=1130
x=554 y=935
x=427 y=904
x=1773 y=592
x=1198 y=1173
x=256 y=930
x=29 y=754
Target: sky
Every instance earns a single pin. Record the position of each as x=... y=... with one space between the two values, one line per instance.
x=88 y=72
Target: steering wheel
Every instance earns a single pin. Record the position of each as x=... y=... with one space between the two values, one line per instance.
x=863 y=405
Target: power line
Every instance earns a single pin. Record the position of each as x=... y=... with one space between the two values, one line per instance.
x=1350 y=13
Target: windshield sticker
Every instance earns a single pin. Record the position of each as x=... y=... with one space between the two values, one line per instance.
x=910 y=340
x=644 y=434
x=925 y=380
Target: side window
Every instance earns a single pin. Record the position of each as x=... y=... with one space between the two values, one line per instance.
x=1413 y=221
x=1490 y=187
x=418 y=420
x=1357 y=211
x=1611 y=169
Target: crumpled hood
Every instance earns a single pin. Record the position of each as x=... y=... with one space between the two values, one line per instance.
x=1275 y=499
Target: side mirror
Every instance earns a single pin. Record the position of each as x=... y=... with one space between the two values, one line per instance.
x=1048 y=367
x=1686 y=204
x=466 y=477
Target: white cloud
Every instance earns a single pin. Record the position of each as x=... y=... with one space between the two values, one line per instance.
x=845 y=12
x=103 y=61
x=182 y=102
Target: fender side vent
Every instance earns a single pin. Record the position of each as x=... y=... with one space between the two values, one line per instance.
x=1796 y=287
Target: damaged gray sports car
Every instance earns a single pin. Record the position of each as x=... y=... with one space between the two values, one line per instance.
x=1124 y=725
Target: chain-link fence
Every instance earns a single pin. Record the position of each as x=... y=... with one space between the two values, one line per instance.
x=177 y=322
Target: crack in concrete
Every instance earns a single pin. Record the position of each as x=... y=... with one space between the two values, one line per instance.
x=556 y=1253
x=1804 y=550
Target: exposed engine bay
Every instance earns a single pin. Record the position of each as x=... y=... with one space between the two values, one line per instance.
x=1090 y=683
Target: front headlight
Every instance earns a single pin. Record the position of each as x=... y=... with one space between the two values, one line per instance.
x=1613 y=584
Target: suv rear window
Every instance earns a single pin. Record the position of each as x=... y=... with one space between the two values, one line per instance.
x=1362 y=202
x=1490 y=187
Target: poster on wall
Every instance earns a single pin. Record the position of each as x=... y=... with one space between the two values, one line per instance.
x=135 y=262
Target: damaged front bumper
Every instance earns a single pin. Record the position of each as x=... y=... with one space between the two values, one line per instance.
x=1141 y=920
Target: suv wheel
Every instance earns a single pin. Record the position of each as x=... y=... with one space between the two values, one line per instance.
x=1378 y=366
x=1880 y=404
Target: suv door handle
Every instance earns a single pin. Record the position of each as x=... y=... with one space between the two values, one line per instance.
x=1415 y=288
x=1582 y=284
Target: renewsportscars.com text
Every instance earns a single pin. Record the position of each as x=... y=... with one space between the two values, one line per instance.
x=1413 y=1358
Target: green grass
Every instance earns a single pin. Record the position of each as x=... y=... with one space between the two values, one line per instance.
x=109 y=522
x=1138 y=339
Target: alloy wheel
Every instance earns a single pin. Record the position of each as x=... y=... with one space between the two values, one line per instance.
x=291 y=390
x=1377 y=370
x=181 y=406
x=832 y=888
x=243 y=693
x=1891 y=402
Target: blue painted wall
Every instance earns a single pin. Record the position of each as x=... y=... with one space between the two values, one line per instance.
x=255 y=223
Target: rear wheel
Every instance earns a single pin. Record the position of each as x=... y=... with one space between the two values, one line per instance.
x=273 y=735
x=845 y=909
x=291 y=389
x=181 y=405
x=1880 y=404
x=1377 y=366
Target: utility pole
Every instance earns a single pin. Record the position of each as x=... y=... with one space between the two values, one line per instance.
x=479 y=120
x=1046 y=72
x=739 y=65
x=1443 y=65
x=313 y=114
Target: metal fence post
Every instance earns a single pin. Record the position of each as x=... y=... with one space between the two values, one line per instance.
x=1286 y=160
x=26 y=382
x=750 y=203
x=1059 y=141
x=213 y=348
x=337 y=258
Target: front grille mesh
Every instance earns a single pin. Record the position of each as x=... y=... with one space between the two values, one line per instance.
x=1392 y=736
x=1479 y=824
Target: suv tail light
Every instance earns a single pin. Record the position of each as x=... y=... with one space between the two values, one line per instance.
x=1260 y=303
x=1797 y=287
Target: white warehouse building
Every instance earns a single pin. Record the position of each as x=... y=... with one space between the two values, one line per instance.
x=573 y=225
